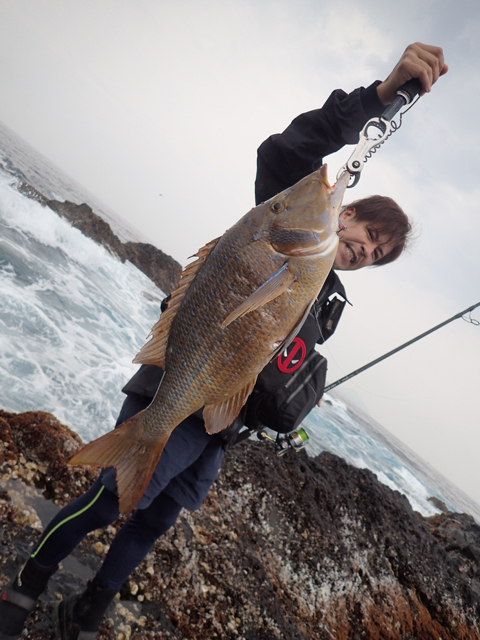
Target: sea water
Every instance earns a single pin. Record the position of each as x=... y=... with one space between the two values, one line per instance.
x=72 y=317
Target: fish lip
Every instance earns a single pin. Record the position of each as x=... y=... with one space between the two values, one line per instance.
x=338 y=190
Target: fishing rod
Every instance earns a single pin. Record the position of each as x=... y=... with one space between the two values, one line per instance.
x=406 y=344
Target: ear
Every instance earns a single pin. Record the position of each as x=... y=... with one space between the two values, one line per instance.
x=347 y=214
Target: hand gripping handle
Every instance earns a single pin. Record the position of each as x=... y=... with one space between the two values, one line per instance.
x=405 y=95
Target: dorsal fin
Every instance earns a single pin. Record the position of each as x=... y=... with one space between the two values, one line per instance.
x=153 y=352
x=220 y=416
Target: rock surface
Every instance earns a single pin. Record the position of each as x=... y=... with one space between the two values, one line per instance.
x=295 y=548
x=161 y=268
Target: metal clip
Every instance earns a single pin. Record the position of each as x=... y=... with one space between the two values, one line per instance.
x=373 y=134
x=383 y=126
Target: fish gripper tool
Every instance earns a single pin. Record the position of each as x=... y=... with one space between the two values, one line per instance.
x=377 y=130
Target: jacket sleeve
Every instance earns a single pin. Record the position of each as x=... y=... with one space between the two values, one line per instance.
x=283 y=159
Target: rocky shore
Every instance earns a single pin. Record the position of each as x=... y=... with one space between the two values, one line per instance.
x=293 y=548
x=161 y=268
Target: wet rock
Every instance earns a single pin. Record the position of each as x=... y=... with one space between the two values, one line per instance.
x=36 y=447
x=157 y=265
x=295 y=548
x=161 y=268
x=459 y=535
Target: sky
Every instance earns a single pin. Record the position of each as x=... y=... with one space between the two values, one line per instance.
x=157 y=108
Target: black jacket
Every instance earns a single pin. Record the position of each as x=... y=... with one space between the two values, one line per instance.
x=282 y=160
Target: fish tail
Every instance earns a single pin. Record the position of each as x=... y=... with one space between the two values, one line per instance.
x=126 y=450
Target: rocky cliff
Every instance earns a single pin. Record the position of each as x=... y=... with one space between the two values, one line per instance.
x=292 y=548
x=161 y=268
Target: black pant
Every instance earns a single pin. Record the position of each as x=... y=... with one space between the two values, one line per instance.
x=97 y=508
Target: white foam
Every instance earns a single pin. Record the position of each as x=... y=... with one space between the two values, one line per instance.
x=72 y=317
x=46 y=226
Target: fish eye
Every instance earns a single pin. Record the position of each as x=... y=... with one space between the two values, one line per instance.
x=277 y=207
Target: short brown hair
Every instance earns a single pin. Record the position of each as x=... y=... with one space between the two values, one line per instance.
x=388 y=219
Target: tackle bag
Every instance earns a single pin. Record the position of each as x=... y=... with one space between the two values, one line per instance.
x=290 y=386
x=281 y=398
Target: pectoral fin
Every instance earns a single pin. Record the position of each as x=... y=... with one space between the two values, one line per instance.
x=153 y=352
x=289 y=339
x=219 y=416
x=269 y=290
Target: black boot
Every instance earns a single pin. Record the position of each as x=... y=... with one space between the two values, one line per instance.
x=78 y=617
x=20 y=596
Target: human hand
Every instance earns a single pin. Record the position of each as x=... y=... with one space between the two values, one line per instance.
x=421 y=61
x=319 y=403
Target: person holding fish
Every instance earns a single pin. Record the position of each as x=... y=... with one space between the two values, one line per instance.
x=197 y=374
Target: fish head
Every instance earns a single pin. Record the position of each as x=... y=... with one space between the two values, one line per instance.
x=303 y=220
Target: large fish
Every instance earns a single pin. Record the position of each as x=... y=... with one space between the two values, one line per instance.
x=237 y=306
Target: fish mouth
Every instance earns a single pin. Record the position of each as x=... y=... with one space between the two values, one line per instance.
x=338 y=190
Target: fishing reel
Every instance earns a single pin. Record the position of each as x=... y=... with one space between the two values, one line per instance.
x=295 y=440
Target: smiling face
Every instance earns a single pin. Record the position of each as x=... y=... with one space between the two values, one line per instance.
x=360 y=244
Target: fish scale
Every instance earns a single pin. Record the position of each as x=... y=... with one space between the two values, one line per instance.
x=235 y=307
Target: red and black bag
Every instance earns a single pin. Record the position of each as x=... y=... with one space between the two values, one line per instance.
x=281 y=400
x=291 y=384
